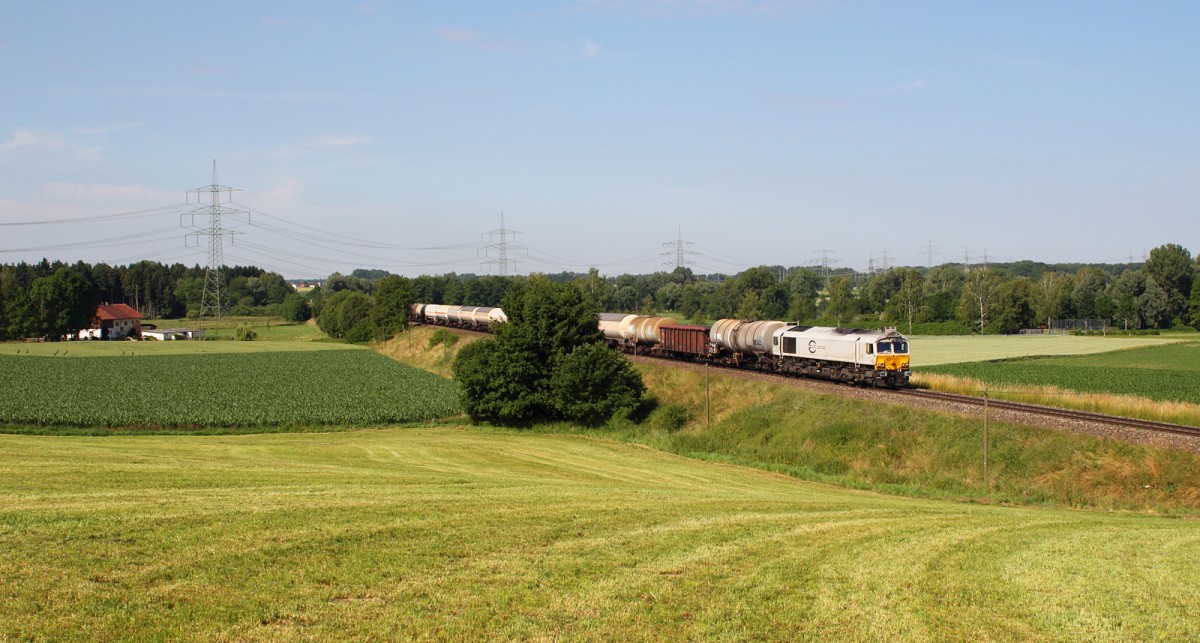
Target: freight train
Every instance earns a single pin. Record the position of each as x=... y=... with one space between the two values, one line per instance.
x=856 y=356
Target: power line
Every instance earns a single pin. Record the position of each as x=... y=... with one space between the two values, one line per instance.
x=116 y=216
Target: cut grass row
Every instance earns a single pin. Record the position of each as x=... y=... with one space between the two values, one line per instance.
x=470 y=535
x=200 y=391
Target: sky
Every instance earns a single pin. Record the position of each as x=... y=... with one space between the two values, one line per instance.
x=396 y=135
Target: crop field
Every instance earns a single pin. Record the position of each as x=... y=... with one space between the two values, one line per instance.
x=1165 y=373
x=469 y=535
x=936 y=350
x=254 y=389
x=187 y=347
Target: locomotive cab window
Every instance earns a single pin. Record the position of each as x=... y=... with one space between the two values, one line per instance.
x=870 y=349
x=901 y=347
x=885 y=348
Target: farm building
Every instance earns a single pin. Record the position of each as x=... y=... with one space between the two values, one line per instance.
x=114 y=321
x=171 y=334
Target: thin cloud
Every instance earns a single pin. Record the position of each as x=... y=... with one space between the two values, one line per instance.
x=803 y=101
x=694 y=7
x=590 y=50
x=281 y=198
x=322 y=142
x=206 y=72
x=24 y=137
x=457 y=35
x=102 y=191
x=314 y=143
x=102 y=131
x=183 y=91
x=462 y=36
x=80 y=143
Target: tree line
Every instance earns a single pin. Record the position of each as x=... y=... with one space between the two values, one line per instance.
x=48 y=299
x=53 y=299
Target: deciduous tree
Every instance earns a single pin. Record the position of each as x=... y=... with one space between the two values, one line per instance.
x=1173 y=271
x=979 y=296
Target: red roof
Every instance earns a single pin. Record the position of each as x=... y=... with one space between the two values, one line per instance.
x=111 y=312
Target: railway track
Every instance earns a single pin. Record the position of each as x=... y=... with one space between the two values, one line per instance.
x=1127 y=428
x=1025 y=409
x=1068 y=414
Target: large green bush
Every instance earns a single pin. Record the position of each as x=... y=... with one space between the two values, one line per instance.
x=548 y=362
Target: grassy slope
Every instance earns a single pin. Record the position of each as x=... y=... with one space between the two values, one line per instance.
x=456 y=534
x=417 y=347
x=893 y=448
x=911 y=451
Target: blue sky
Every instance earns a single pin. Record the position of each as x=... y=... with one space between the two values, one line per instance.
x=764 y=132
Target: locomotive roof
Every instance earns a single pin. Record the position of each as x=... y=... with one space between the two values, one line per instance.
x=845 y=332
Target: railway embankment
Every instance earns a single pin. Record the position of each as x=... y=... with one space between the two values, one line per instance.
x=867 y=439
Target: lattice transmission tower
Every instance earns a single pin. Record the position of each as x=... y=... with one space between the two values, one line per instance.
x=210 y=301
x=501 y=243
x=678 y=252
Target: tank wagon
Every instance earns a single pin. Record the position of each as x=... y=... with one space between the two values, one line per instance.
x=857 y=356
x=633 y=333
x=468 y=317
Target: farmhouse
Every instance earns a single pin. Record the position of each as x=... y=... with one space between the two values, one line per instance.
x=114 y=321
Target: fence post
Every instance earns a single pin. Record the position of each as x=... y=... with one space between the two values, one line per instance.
x=987 y=483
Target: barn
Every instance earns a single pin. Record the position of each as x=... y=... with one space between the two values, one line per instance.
x=171 y=334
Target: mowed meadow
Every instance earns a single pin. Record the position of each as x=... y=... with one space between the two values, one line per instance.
x=449 y=532
x=475 y=534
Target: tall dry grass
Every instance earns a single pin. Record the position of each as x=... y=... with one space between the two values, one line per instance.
x=418 y=347
x=1109 y=403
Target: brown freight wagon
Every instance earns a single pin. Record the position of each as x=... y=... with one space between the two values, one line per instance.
x=685 y=340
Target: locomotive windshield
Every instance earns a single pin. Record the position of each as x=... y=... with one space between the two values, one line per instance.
x=898 y=347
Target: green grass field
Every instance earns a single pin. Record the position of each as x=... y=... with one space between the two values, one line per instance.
x=1170 y=373
x=203 y=390
x=933 y=350
x=469 y=535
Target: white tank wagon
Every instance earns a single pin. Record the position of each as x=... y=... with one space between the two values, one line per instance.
x=632 y=331
x=470 y=317
x=876 y=357
x=744 y=337
x=647 y=330
x=616 y=327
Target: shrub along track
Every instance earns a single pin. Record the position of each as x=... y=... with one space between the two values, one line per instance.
x=1159 y=434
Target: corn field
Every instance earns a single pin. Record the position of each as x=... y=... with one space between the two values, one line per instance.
x=353 y=388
